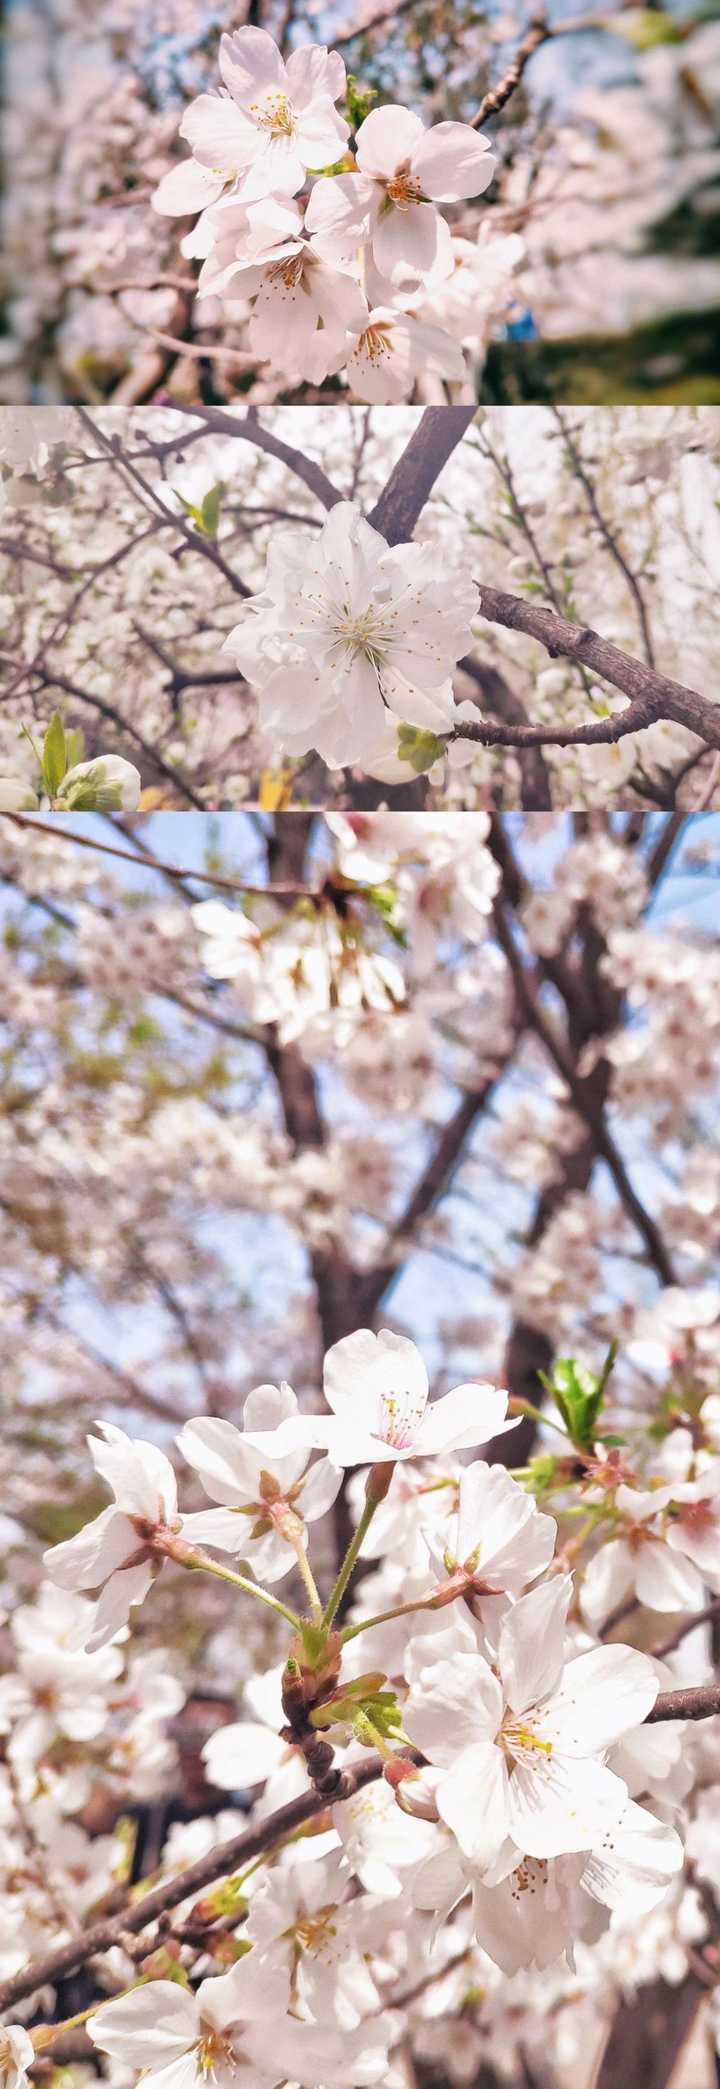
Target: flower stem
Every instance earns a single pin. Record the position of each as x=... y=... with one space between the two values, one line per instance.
x=308 y=1577
x=384 y=1617
x=198 y=1564
x=372 y=1501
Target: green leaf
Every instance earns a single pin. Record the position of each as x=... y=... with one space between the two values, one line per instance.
x=359 y=101
x=210 y=511
x=54 y=755
x=579 y=1395
x=420 y=749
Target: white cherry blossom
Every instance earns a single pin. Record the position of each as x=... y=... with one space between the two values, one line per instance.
x=349 y=630
x=259 y=1498
x=118 y=1553
x=273 y=122
x=17 y=2056
x=521 y=1748
x=377 y=1388
x=404 y=171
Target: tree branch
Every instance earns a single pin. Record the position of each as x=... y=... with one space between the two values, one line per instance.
x=652 y=695
x=411 y=482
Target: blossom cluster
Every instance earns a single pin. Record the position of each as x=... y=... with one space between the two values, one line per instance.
x=518 y=1808
x=339 y=259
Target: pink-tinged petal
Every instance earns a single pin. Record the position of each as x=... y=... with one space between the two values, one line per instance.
x=83 y=1562
x=532 y=1641
x=371 y=1378
x=321 y=135
x=603 y=1695
x=118 y=1597
x=457 y=1705
x=228 y=1468
x=225 y=1529
x=411 y=242
x=453 y=162
x=473 y=1800
x=557 y=1804
x=338 y=215
x=468 y=1415
x=251 y=65
x=312 y=71
x=386 y=138
x=185 y=189
x=220 y=136
x=238 y=1757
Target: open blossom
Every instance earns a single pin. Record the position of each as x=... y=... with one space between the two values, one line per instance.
x=377 y=1388
x=521 y=1745
x=403 y=171
x=303 y=310
x=274 y=121
x=499 y=1536
x=349 y=630
x=235 y=2029
x=391 y=349
x=660 y=1569
x=17 y=2055
x=119 y=1552
x=261 y=1499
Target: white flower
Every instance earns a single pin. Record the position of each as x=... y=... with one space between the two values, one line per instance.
x=403 y=171
x=349 y=630
x=119 y=1551
x=17 y=2056
x=642 y=1563
x=391 y=349
x=303 y=310
x=306 y=1913
x=377 y=1387
x=275 y=121
x=694 y=1528
x=260 y=1498
x=521 y=1748
x=235 y=2029
x=499 y=1536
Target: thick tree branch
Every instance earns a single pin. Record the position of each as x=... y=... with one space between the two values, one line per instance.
x=652 y=695
x=411 y=482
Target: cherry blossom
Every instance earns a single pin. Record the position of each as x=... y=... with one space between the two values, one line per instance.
x=263 y=1512
x=403 y=171
x=119 y=1552
x=349 y=632
x=377 y=1388
x=180 y=2037
x=273 y=122
x=17 y=2055
x=521 y=1750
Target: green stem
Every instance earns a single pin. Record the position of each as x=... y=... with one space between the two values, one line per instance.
x=384 y=1617
x=308 y=1577
x=349 y=1562
x=251 y=1588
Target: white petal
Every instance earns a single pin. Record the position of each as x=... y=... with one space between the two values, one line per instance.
x=452 y=161
x=531 y=1643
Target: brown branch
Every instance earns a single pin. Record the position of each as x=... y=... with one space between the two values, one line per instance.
x=652 y=695
x=250 y=429
x=608 y=536
x=591 y=1112
x=537 y=33
x=411 y=482
x=699 y=1702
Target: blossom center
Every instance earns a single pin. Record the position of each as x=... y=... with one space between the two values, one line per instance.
x=374 y=343
x=274 y=113
x=519 y=1738
x=367 y=632
x=400 y=1415
x=214 y=2050
x=403 y=189
x=289 y=271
